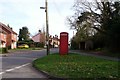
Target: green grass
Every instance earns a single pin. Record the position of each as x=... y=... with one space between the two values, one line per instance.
x=77 y=66
x=17 y=49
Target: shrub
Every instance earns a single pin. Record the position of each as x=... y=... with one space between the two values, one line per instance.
x=74 y=45
x=3 y=50
x=98 y=49
x=9 y=47
x=0 y=50
x=37 y=44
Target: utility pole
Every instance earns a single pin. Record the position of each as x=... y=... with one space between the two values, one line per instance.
x=47 y=27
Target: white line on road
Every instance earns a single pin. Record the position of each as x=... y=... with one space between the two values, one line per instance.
x=18 y=67
x=9 y=70
x=1 y=73
x=21 y=66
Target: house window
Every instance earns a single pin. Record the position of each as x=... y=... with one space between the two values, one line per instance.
x=14 y=36
x=4 y=36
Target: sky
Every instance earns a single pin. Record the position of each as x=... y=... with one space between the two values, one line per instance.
x=19 y=13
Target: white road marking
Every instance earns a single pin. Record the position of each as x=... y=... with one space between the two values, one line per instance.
x=1 y=73
x=21 y=66
x=18 y=67
x=9 y=70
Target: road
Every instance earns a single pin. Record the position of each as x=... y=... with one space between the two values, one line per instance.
x=19 y=64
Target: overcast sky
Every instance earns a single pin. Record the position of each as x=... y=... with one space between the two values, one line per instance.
x=19 y=13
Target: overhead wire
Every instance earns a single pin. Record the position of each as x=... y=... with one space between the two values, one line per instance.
x=57 y=9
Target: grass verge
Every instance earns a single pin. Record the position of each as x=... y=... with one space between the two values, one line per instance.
x=18 y=49
x=77 y=66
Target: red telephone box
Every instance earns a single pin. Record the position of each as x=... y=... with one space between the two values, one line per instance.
x=63 y=49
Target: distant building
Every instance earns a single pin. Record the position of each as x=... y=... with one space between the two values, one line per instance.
x=8 y=37
x=54 y=41
x=39 y=37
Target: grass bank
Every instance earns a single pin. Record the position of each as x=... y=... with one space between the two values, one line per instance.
x=77 y=66
x=18 y=49
x=5 y=50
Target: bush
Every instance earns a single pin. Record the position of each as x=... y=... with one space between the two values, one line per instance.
x=37 y=44
x=9 y=47
x=98 y=49
x=0 y=50
x=74 y=45
x=3 y=50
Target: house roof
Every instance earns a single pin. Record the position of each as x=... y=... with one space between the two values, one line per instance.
x=37 y=34
x=2 y=31
x=3 y=26
x=14 y=32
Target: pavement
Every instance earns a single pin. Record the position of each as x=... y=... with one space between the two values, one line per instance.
x=17 y=65
x=94 y=55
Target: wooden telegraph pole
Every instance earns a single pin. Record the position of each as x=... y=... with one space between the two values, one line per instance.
x=47 y=27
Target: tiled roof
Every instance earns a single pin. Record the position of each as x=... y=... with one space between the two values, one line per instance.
x=36 y=34
x=2 y=31
x=8 y=28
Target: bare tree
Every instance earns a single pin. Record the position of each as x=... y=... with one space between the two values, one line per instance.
x=101 y=15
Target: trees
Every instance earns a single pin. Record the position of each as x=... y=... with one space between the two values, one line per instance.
x=23 y=34
x=114 y=27
x=98 y=19
x=20 y=35
x=24 y=37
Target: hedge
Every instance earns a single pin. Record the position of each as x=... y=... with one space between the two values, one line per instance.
x=3 y=50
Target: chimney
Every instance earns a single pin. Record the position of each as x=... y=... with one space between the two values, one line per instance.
x=39 y=31
x=11 y=28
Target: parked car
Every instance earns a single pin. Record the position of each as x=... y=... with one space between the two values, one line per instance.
x=23 y=46
x=45 y=46
x=56 y=46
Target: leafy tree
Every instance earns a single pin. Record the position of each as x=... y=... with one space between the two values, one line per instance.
x=23 y=34
x=20 y=35
x=114 y=28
